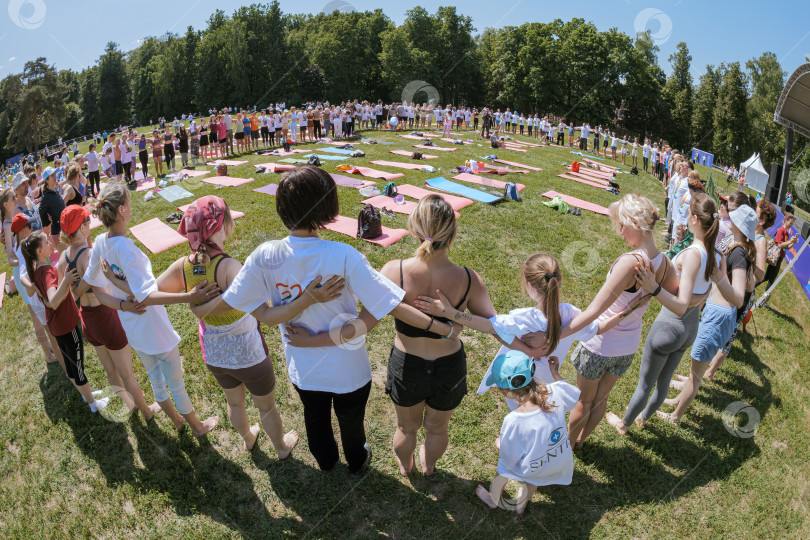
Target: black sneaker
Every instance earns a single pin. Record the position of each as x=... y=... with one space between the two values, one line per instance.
x=366 y=463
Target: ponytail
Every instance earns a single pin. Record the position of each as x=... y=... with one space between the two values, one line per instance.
x=29 y=249
x=705 y=209
x=542 y=272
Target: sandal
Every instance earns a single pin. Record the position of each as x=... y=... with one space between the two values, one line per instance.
x=174 y=218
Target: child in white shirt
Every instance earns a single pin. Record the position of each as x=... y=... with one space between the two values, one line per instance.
x=533 y=445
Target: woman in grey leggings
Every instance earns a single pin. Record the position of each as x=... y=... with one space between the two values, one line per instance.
x=676 y=326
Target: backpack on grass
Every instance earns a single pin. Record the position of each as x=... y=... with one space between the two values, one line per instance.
x=315 y=160
x=369 y=224
x=222 y=170
x=390 y=190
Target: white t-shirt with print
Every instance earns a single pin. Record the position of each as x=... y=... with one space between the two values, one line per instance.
x=92 y=161
x=280 y=270
x=535 y=446
x=149 y=333
x=527 y=320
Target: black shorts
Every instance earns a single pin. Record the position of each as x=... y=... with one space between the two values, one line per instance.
x=223 y=141
x=440 y=383
x=119 y=168
x=254 y=134
x=239 y=135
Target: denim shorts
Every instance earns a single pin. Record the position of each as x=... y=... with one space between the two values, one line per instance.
x=716 y=326
x=593 y=366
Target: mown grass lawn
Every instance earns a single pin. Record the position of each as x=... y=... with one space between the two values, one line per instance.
x=68 y=473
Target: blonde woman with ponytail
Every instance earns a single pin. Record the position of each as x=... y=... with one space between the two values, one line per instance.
x=116 y=261
x=427 y=372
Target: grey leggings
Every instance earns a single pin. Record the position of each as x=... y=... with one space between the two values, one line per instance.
x=666 y=343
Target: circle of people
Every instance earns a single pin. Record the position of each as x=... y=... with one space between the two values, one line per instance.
x=103 y=290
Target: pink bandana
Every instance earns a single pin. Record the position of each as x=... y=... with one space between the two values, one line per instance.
x=201 y=220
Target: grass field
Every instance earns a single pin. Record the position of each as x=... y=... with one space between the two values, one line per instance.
x=68 y=473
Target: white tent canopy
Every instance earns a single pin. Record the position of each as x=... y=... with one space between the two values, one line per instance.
x=756 y=177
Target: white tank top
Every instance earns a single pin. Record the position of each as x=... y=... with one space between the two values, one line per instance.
x=701 y=283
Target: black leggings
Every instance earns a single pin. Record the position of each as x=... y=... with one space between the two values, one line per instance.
x=316 y=125
x=143 y=157
x=128 y=171
x=168 y=155
x=265 y=136
x=72 y=348
x=93 y=180
x=350 y=410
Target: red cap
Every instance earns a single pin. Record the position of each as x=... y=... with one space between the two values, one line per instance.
x=72 y=218
x=19 y=222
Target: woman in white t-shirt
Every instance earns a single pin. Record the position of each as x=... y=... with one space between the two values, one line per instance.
x=335 y=373
x=533 y=446
x=117 y=262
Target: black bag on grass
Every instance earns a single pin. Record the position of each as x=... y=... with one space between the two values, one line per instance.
x=369 y=224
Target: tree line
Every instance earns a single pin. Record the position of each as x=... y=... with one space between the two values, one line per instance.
x=259 y=55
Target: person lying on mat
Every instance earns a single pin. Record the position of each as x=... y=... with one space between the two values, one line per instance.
x=330 y=369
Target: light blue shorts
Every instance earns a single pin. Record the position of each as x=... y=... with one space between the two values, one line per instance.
x=716 y=326
x=20 y=288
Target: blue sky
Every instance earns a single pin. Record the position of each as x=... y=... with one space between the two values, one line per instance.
x=73 y=34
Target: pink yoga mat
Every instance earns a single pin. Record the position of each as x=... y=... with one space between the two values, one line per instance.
x=423 y=137
x=513 y=164
x=229 y=181
x=502 y=171
x=437 y=148
x=581 y=181
x=228 y=162
x=95 y=222
x=276 y=167
x=269 y=189
x=374 y=173
x=156 y=236
x=590 y=178
x=579 y=203
x=235 y=214
x=397 y=164
x=147 y=184
x=381 y=201
x=281 y=153
x=348 y=181
x=602 y=166
x=348 y=226
x=453 y=141
x=484 y=181
x=416 y=192
x=514 y=149
x=409 y=154
x=193 y=174
x=592 y=172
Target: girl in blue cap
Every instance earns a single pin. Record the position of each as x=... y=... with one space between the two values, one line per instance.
x=533 y=446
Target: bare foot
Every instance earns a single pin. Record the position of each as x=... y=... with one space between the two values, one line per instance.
x=709 y=375
x=290 y=440
x=616 y=422
x=640 y=422
x=152 y=410
x=425 y=470
x=404 y=471
x=681 y=377
x=677 y=385
x=668 y=417
x=672 y=401
x=483 y=494
x=207 y=425
x=51 y=358
x=251 y=440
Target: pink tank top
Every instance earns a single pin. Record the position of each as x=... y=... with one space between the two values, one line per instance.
x=624 y=338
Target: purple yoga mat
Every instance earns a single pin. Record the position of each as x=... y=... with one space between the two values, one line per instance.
x=269 y=189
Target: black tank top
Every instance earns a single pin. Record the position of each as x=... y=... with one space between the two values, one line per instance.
x=413 y=332
x=72 y=264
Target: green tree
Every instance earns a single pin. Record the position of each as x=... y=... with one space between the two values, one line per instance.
x=313 y=83
x=38 y=111
x=678 y=94
x=113 y=88
x=767 y=81
x=703 y=109
x=88 y=102
x=730 y=116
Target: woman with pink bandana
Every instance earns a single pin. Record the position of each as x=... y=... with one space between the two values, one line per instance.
x=232 y=344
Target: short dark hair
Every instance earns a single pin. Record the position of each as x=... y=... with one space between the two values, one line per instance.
x=307 y=199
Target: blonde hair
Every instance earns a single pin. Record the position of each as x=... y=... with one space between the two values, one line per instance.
x=433 y=223
x=535 y=392
x=542 y=272
x=72 y=170
x=111 y=198
x=633 y=210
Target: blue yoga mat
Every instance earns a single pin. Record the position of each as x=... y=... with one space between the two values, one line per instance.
x=451 y=187
x=588 y=156
x=326 y=157
x=333 y=150
x=174 y=193
x=293 y=161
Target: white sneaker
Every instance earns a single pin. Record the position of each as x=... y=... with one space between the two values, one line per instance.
x=95 y=393
x=99 y=404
